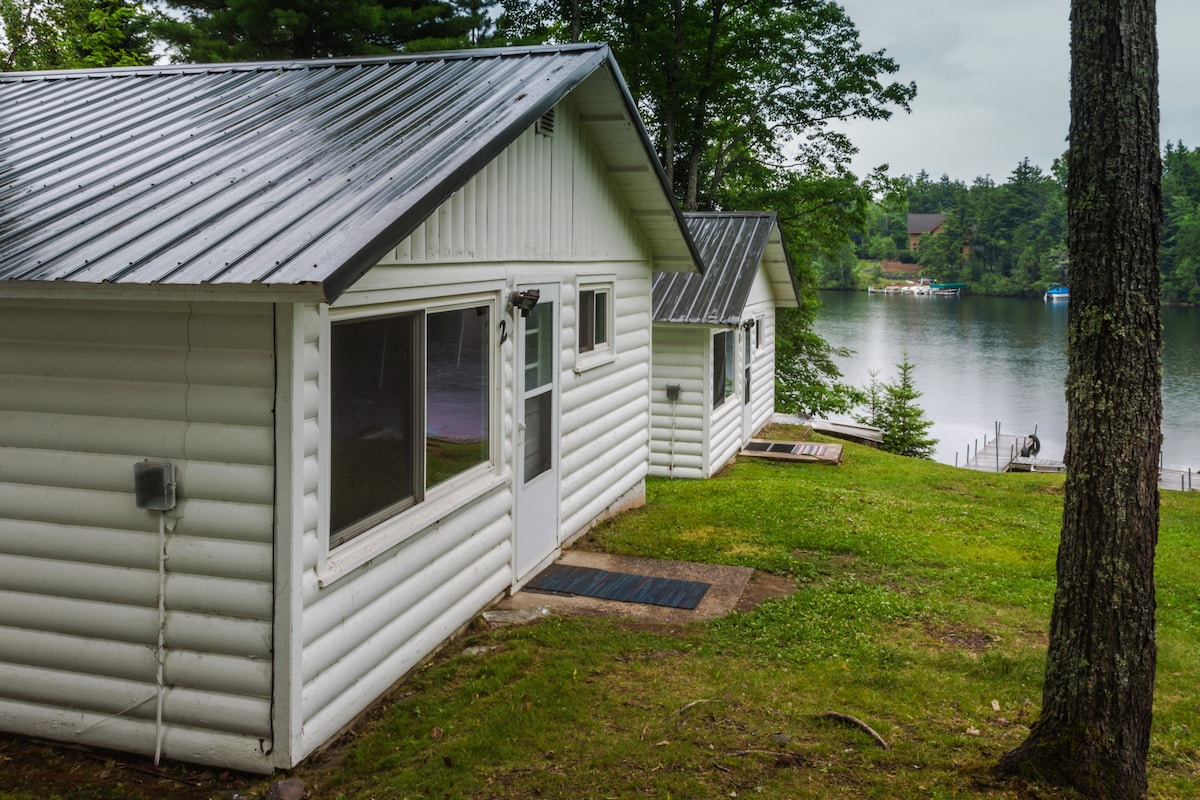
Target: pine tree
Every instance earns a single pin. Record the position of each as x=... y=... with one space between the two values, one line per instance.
x=892 y=408
x=246 y=30
x=872 y=402
x=66 y=34
x=905 y=431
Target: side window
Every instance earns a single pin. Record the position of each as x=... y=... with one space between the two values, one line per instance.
x=410 y=397
x=724 y=362
x=457 y=392
x=594 y=322
x=376 y=408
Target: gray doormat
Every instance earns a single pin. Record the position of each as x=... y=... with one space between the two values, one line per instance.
x=622 y=586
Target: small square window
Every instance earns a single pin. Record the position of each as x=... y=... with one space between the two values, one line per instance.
x=593 y=320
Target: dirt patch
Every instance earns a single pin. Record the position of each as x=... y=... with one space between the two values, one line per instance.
x=64 y=770
x=764 y=586
x=974 y=640
x=840 y=560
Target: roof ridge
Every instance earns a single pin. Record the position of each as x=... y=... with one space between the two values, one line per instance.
x=710 y=214
x=299 y=64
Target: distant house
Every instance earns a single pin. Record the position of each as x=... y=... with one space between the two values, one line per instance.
x=920 y=224
x=713 y=383
x=372 y=334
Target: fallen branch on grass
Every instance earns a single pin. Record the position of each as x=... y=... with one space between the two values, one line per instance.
x=690 y=705
x=782 y=759
x=855 y=722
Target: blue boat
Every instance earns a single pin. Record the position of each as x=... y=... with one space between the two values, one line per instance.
x=1056 y=292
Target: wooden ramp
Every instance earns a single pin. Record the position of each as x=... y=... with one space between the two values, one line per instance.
x=851 y=432
x=859 y=434
x=794 y=451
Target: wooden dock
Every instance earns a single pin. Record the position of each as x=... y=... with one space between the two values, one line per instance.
x=1002 y=453
x=1187 y=480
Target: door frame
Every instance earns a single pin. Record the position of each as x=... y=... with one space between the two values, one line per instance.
x=536 y=503
x=748 y=349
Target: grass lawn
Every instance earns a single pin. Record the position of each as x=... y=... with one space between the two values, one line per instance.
x=921 y=607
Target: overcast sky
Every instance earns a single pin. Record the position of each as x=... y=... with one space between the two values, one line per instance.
x=993 y=83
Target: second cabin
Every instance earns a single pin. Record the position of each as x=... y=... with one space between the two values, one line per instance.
x=713 y=357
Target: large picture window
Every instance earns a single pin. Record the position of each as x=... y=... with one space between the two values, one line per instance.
x=410 y=409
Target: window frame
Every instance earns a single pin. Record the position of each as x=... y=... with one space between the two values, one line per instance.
x=397 y=522
x=723 y=382
x=418 y=395
x=588 y=352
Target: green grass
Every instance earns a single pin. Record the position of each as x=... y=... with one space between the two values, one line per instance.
x=922 y=597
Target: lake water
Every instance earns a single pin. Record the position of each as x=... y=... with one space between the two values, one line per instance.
x=982 y=360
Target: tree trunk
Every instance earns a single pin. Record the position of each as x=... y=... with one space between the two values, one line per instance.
x=700 y=118
x=1093 y=732
x=673 y=80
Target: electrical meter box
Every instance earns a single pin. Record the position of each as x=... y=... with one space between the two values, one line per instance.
x=154 y=485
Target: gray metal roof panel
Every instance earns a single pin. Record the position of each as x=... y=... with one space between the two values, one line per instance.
x=732 y=247
x=278 y=174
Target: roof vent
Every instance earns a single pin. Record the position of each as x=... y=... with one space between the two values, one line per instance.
x=545 y=124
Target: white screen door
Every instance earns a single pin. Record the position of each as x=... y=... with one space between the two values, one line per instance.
x=747 y=405
x=537 y=432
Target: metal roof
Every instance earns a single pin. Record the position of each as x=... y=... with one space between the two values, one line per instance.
x=285 y=174
x=924 y=223
x=732 y=247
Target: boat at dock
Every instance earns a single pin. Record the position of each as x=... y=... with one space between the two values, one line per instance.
x=947 y=289
x=924 y=287
x=1057 y=292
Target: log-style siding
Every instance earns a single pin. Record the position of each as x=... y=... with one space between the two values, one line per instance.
x=543 y=211
x=690 y=438
x=680 y=428
x=86 y=391
x=725 y=425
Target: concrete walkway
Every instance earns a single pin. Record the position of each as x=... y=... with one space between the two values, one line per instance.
x=732 y=588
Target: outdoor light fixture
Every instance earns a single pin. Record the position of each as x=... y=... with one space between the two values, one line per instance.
x=525 y=301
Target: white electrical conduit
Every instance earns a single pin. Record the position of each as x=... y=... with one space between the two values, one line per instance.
x=671 y=449
x=159 y=653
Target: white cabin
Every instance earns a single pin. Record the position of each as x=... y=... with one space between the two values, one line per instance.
x=296 y=291
x=713 y=385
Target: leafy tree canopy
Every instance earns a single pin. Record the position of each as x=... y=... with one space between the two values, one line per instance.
x=742 y=101
x=65 y=34
x=730 y=88
x=1010 y=238
x=243 y=30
